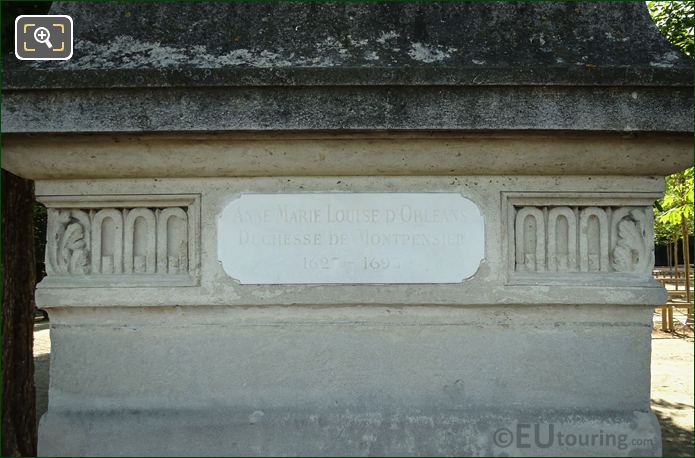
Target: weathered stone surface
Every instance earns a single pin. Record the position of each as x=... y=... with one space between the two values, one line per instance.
x=347 y=380
x=545 y=43
x=545 y=66
x=622 y=109
x=354 y=432
x=360 y=154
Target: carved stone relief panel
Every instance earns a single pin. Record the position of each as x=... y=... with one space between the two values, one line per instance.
x=584 y=237
x=122 y=240
x=590 y=239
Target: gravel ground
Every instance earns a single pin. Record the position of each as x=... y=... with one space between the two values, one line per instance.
x=42 y=354
x=672 y=385
x=672 y=391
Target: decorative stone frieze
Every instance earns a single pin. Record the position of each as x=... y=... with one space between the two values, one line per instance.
x=584 y=239
x=122 y=240
x=586 y=236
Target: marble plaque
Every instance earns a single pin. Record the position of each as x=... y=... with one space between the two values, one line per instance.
x=350 y=238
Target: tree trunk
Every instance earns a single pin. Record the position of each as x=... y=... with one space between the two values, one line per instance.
x=668 y=259
x=686 y=259
x=18 y=281
x=675 y=261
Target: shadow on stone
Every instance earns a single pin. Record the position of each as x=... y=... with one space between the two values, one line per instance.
x=676 y=440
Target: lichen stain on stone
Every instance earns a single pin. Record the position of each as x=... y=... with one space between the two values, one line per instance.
x=127 y=52
x=668 y=60
x=385 y=36
x=427 y=54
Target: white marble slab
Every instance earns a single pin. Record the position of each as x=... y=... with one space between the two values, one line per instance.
x=350 y=238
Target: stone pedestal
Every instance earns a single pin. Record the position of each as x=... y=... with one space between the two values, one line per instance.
x=157 y=348
x=481 y=286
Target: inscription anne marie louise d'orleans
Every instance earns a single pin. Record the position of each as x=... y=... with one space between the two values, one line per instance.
x=350 y=238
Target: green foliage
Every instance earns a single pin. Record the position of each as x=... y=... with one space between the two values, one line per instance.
x=675 y=21
x=676 y=207
x=664 y=231
x=678 y=198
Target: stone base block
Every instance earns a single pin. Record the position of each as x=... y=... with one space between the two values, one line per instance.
x=353 y=432
x=550 y=380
